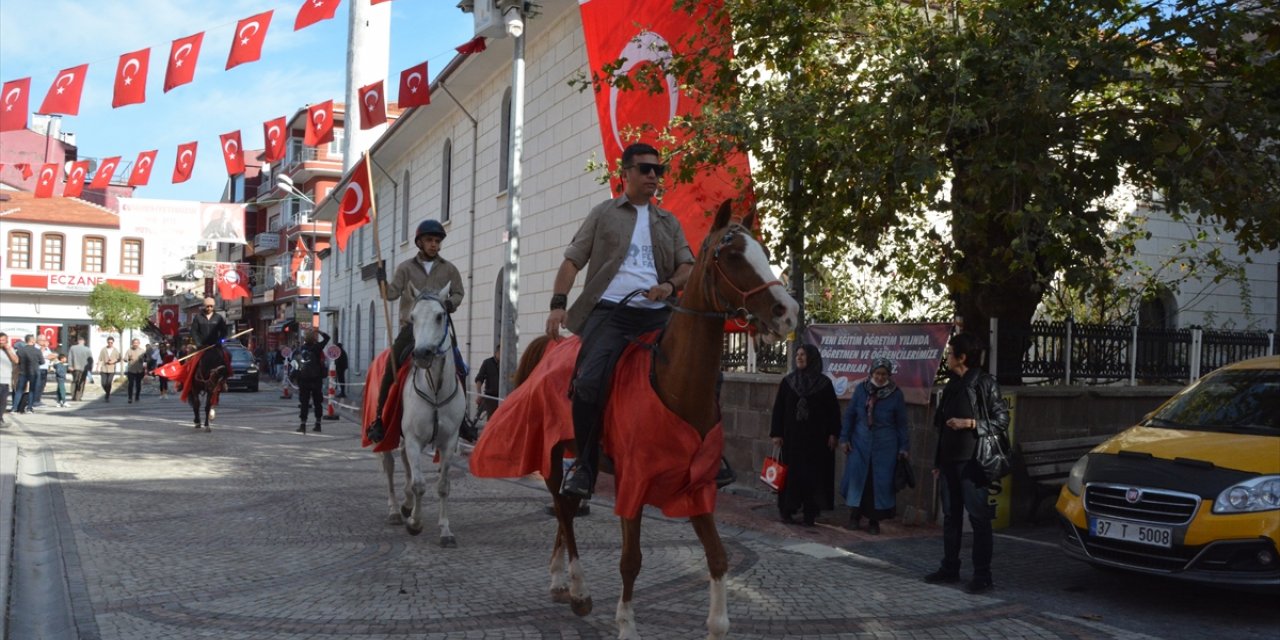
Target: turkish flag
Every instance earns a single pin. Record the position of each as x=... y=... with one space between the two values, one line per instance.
x=13 y=104
x=475 y=45
x=273 y=137
x=231 y=152
x=319 y=124
x=643 y=35
x=131 y=78
x=356 y=203
x=167 y=319
x=106 y=170
x=50 y=333
x=313 y=11
x=250 y=33
x=373 y=106
x=299 y=254
x=183 y=54
x=184 y=163
x=414 y=91
x=64 y=93
x=25 y=169
x=173 y=370
x=75 y=179
x=233 y=282
x=142 y=168
x=48 y=179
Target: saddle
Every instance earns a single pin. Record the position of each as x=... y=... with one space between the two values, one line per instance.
x=393 y=409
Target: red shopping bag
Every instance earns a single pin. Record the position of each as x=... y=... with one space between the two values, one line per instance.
x=774 y=473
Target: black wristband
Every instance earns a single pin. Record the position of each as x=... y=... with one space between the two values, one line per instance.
x=559 y=301
x=673 y=286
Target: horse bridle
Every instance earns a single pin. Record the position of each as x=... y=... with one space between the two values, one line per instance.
x=739 y=314
x=434 y=384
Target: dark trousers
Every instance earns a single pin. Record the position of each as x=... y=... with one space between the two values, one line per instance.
x=164 y=384
x=608 y=331
x=134 y=388
x=4 y=401
x=342 y=382
x=964 y=490
x=40 y=382
x=24 y=393
x=62 y=390
x=105 y=379
x=403 y=341
x=77 y=384
x=309 y=392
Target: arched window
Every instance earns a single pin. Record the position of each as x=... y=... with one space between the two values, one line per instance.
x=499 y=294
x=504 y=150
x=404 y=210
x=373 y=331
x=52 y=251
x=446 y=179
x=354 y=339
x=19 y=250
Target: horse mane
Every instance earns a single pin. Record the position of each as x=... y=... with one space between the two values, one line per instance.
x=530 y=358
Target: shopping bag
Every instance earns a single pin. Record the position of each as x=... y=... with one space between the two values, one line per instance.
x=774 y=473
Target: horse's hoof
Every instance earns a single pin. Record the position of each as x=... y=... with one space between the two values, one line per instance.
x=395 y=518
x=213 y=414
x=405 y=511
x=413 y=531
x=207 y=429
x=581 y=607
x=448 y=542
x=197 y=426
x=560 y=595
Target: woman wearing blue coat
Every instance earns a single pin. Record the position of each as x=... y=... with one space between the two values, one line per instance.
x=874 y=436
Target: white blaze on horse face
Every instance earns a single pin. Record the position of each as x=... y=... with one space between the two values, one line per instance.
x=778 y=324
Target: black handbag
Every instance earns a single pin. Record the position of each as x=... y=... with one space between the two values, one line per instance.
x=903 y=475
x=993 y=452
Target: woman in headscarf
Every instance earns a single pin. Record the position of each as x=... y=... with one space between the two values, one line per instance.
x=806 y=419
x=874 y=436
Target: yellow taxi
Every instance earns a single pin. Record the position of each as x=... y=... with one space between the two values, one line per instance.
x=1193 y=491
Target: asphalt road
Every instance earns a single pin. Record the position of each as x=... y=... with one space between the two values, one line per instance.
x=131 y=526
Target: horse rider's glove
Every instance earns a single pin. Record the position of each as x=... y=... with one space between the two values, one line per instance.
x=448 y=306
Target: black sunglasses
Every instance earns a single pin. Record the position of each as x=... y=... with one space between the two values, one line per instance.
x=645 y=167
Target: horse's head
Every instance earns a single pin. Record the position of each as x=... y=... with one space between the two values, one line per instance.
x=739 y=280
x=430 y=325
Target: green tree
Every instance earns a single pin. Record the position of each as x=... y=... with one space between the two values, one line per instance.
x=116 y=309
x=985 y=147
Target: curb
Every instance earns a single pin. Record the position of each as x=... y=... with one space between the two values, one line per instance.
x=8 y=500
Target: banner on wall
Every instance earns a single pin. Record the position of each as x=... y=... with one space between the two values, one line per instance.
x=848 y=350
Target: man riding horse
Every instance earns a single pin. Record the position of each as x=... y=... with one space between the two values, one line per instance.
x=208 y=329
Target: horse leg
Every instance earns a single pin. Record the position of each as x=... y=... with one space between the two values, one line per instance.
x=559 y=585
x=406 y=504
x=193 y=399
x=443 y=485
x=629 y=568
x=388 y=459
x=417 y=485
x=208 y=410
x=717 y=564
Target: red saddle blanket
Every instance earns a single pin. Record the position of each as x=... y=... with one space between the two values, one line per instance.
x=391 y=412
x=658 y=458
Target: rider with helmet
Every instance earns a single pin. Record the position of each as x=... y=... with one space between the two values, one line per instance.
x=426 y=271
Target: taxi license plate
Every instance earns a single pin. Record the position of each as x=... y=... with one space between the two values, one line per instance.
x=1131 y=532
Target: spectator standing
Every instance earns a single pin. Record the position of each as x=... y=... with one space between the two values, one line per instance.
x=47 y=358
x=806 y=420
x=135 y=367
x=874 y=436
x=340 y=365
x=971 y=406
x=108 y=363
x=165 y=356
x=79 y=358
x=28 y=375
x=8 y=358
x=310 y=373
x=487 y=385
x=60 y=377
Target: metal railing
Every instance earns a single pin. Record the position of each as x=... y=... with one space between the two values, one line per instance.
x=742 y=352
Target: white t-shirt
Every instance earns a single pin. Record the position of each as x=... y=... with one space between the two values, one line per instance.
x=637 y=270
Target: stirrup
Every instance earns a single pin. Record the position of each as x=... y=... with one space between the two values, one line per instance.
x=726 y=475
x=374 y=432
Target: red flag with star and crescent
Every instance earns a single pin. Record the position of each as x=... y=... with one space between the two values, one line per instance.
x=273 y=138
x=64 y=93
x=373 y=107
x=249 y=36
x=75 y=179
x=232 y=152
x=414 y=91
x=47 y=181
x=131 y=79
x=184 y=163
x=644 y=34
x=319 y=124
x=106 y=171
x=474 y=45
x=313 y=11
x=233 y=282
x=183 y=54
x=25 y=169
x=356 y=204
x=13 y=104
x=167 y=319
x=50 y=333
x=142 y=168
x=299 y=254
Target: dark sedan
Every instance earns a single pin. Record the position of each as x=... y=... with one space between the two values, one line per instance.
x=244 y=368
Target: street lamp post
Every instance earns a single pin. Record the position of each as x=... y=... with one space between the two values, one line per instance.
x=283 y=181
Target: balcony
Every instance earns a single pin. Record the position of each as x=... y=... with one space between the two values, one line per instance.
x=266 y=242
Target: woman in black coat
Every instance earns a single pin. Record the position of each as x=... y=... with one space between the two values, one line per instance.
x=806 y=422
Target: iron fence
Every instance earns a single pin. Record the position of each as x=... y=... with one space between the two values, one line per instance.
x=743 y=352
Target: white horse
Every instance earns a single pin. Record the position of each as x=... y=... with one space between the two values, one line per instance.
x=433 y=410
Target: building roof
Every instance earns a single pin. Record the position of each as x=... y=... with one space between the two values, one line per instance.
x=20 y=206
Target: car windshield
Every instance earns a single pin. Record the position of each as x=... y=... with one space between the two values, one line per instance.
x=240 y=356
x=1237 y=401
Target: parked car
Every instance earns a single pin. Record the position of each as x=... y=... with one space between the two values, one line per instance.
x=1193 y=491
x=244 y=368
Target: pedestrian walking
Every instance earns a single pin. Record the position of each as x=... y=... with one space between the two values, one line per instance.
x=60 y=378
x=28 y=374
x=487 y=385
x=135 y=368
x=309 y=369
x=47 y=358
x=108 y=363
x=8 y=359
x=874 y=436
x=166 y=356
x=805 y=422
x=79 y=360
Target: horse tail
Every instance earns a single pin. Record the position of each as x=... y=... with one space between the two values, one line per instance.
x=530 y=359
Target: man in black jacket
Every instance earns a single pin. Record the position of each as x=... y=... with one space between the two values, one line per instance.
x=28 y=375
x=310 y=373
x=208 y=329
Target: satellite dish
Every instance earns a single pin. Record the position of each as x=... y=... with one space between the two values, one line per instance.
x=198 y=274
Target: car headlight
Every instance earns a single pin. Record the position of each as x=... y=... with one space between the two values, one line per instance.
x=1255 y=494
x=1075 y=479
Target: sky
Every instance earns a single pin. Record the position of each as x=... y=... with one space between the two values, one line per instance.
x=39 y=38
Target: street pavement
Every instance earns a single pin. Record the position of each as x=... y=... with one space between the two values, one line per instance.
x=132 y=526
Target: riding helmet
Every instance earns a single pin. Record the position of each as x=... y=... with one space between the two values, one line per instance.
x=430 y=228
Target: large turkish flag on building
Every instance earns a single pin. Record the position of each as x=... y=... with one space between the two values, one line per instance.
x=51 y=333
x=167 y=319
x=643 y=31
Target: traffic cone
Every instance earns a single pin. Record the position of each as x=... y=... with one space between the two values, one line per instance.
x=331 y=408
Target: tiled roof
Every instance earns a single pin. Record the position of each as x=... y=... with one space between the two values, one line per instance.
x=21 y=206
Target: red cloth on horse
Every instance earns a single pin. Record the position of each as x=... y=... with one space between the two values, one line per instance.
x=659 y=459
x=189 y=371
x=391 y=412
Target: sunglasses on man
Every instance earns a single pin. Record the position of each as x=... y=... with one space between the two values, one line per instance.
x=646 y=167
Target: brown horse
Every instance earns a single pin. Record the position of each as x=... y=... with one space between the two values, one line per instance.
x=731 y=279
